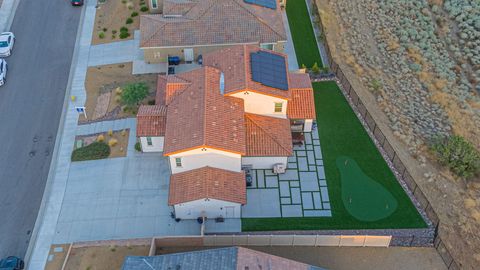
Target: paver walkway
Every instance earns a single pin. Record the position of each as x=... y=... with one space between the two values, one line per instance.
x=300 y=192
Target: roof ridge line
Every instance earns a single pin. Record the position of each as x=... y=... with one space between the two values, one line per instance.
x=268 y=133
x=258 y=19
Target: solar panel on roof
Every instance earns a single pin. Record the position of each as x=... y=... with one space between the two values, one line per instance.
x=264 y=3
x=269 y=69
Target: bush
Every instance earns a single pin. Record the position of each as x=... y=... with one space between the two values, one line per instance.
x=123 y=29
x=101 y=35
x=95 y=150
x=100 y=138
x=124 y=35
x=151 y=102
x=144 y=9
x=134 y=14
x=115 y=31
x=104 y=29
x=459 y=155
x=124 y=132
x=133 y=93
x=138 y=147
x=315 y=69
x=112 y=142
x=110 y=132
x=129 y=21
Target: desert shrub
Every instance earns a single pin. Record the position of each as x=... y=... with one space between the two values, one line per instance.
x=123 y=132
x=105 y=29
x=112 y=142
x=459 y=155
x=129 y=21
x=110 y=132
x=123 y=29
x=315 y=69
x=100 y=138
x=114 y=32
x=138 y=147
x=303 y=66
x=133 y=93
x=101 y=35
x=134 y=14
x=151 y=102
x=114 y=37
x=144 y=9
x=124 y=35
x=118 y=99
x=95 y=150
x=118 y=91
x=124 y=1
x=376 y=85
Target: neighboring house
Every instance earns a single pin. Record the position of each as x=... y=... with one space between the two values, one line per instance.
x=151 y=122
x=234 y=112
x=227 y=258
x=189 y=28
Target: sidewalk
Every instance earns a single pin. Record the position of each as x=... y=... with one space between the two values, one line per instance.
x=7 y=12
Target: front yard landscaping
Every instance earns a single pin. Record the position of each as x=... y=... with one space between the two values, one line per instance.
x=303 y=35
x=116 y=20
x=104 y=86
x=109 y=144
x=342 y=135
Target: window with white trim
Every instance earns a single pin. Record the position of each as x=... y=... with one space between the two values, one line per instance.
x=149 y=141
x=178 y=162
x=278 y=107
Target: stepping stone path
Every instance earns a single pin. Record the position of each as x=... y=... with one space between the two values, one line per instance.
x=102 y=105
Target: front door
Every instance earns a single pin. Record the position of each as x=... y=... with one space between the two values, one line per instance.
x=188 y=53
x=229 y=212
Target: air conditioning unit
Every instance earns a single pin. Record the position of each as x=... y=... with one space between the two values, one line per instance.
x=279 y=168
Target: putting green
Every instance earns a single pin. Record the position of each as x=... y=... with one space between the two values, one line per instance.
x=363 y=197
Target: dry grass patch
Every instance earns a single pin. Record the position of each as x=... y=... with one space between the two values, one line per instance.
x=102 y=257
x=111 y=16
x=108 y=79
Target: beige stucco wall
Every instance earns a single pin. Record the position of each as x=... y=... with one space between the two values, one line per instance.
x=197 y=158
x=262 y=104
x=158 y=55
x=211 y=208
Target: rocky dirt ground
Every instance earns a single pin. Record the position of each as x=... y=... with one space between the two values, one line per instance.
x=416 y=66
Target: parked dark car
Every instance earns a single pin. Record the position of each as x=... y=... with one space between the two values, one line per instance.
x=77 y=2
x=12 y=263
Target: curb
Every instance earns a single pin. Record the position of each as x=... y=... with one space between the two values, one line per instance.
x=58 y=139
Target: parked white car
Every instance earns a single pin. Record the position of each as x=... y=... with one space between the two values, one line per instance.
x=3 y=72
x=7 y=39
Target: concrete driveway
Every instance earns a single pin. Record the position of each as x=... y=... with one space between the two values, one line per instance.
x=30 y=108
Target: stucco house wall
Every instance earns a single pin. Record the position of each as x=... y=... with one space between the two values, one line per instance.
x=157 y=144
x=197 y=158
x=160 y=54
x=263 y=162
x=211 y=208
x=262 y=104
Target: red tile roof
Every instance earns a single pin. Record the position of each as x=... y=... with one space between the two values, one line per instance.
x=302 y=104
x=234 y=62
x=168 y=86
x=151 y=120
x=200 y=116
x=267 y=136
x=227 y=22
x=207 y=182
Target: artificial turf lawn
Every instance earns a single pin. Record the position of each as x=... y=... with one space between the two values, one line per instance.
x=342 y=134
x=302 y=33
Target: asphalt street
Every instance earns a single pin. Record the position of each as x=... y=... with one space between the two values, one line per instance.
x=31 y=104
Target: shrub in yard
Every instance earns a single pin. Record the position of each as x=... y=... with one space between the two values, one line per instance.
x=459 y=155
x=134 y=14
x=304 y=67
x=124 y=132
x=114 y=32
x=100 y=138
x=114 y=37
x=138 y=147
x=105 y=29
x=118 y=99
x=315 y=69
x=112 y=142
x=118 y=91
x=129 y=21
x=123 y=29
x=133 y=93
x=95 y=150
x=124 y=1
x=110 y=132
x=101 y=35
x=124 y=35
x=151 y=102
x=144 y=9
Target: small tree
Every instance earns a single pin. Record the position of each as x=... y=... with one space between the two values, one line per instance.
x=315 y=69
x=459 y=155
x=133 y=93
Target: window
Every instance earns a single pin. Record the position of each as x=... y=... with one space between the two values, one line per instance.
x=278 y=106
x=149 y=141
x=154 y=4
x=178 y=162
x=267 y=46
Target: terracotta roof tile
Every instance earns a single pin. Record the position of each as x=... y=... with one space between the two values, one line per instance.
x=237 y=72
x=227 y=21
x=302 y=104
x=200 y=116
x=207 y=182
x=151 y=120
x=168 y=86
x=267 y=136
x=299 y=81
